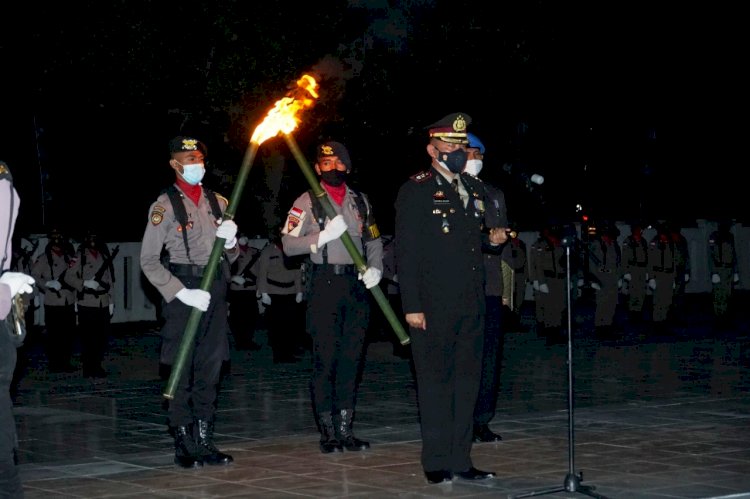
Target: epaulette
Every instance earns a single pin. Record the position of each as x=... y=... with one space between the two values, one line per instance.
x=422 y=176
x=4 y=171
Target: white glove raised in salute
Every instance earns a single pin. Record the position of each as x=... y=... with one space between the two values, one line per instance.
x=371 y=277
x=194 y=298
x=18 y=282
x=333 y=230
x=227 y=230
x=91 y=284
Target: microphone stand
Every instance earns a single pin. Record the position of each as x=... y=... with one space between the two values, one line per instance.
x=572 y=482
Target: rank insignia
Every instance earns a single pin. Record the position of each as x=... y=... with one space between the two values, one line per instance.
x=422 y=176
x=188 y=225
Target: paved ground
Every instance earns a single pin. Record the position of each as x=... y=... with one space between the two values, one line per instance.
x=656 y=416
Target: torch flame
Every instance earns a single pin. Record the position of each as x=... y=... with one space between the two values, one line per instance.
x=284 y=116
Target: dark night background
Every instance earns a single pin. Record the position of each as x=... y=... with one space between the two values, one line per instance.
x=624 y=108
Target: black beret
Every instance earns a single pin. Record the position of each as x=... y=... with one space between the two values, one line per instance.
x=451 y=128
x=186 y=144
x=337 y=149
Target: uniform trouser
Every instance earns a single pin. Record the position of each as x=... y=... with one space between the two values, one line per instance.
x=196 y=391
x=637 y=290
x=286 y=323
x=554 y=302
x=663 y=295
x=519 y=291
x=492 y=355
x=60 y=321
x=338 y=314
x=93 y=323
x=606 y=300
x=446 y=360
x=721 y=292
x=243 y=316
x=10 y=481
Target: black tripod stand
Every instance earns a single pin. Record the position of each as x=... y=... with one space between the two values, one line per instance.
x=572 y=481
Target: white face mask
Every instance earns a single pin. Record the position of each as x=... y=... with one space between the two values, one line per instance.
x=192 y=174
x=473 y=167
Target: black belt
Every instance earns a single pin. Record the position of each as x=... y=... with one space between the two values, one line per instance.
x=189 y=270
x=336 y=268
x=280 y=284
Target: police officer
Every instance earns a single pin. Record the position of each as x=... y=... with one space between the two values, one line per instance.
x=338 y=308
x=12 y=284
x=92 y=276
x=662 y=263
x=186 y=220
x=722 y=265
x=50 y=270
x=492 y=351
x=439 y=223
x=243 y=304
x=280 y=291
x=635 y=270
x=605 y=262
x=548 y=273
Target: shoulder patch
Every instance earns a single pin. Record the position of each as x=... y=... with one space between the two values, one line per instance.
x=157 y=217
x=422 y=176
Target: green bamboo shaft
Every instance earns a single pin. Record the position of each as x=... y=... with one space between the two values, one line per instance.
x=360 y=263
x=191 y=328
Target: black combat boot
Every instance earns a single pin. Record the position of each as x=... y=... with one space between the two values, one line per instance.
x=345 y=435
x=328 y=441
x=185 y=452
x=205 y=443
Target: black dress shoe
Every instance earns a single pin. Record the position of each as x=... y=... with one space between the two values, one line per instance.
x=439 y=476
x=475 y=474
x=482 y=433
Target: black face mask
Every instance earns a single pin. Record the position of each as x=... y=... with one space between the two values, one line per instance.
x=454 y=161
x=333 y=177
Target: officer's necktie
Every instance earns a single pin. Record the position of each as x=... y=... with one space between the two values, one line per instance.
x=454 y=184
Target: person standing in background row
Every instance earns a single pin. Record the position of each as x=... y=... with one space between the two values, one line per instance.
x=722 y=265
x=548 y=273
x=243 y=303
x=186 y=220
x=338 y=310
x=439 y=230
x=280 y=291
x=681 y=274
x=662 y=262
x=515 y=257
x=93 y=277
x=50 y=270
x=23 y=261
x=605 y=262
x=635 y=271
x=12 y=284
x=496 y=216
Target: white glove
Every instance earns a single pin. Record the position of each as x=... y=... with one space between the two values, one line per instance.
x=298 y=298
x=371 y=277
x=334 y=228
x=736 y=277
x=627 y=277
x=238 y=279
x=111 y=309
x=18 y=282
x=715 y=279
x=265 y=299
x=54 y=285
x=619 y=283
x=227 y=230
x=579 y=283
x=535 y=285
x=652 y=283
x=544 y=288
x=194 y=298
x=91 y=284
x=687 y=277
x=596 y=286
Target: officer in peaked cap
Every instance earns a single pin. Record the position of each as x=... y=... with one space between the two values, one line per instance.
x=439 y=245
